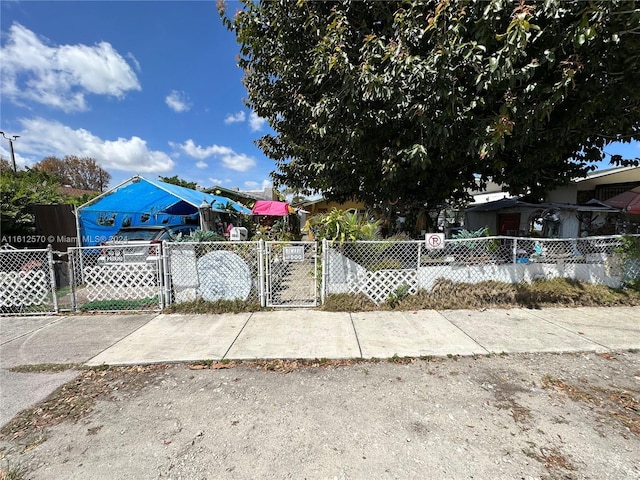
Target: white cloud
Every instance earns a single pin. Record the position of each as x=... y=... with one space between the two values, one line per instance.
x=61 y=76
x=219 y=181
x=250 y=185
x=202 y=164
x=46 y=138
x=134 y=60
x=255 y=122
x=235 y=118
x=230 y=159
x=178 y=101
x=21 y=161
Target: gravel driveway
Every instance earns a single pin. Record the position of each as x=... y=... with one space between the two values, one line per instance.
x=545 y=416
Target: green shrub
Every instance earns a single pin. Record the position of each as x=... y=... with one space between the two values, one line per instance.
x=629 y=253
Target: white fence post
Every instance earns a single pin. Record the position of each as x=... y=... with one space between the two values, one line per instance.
x=261 y=274
x=325 y=266
x=72 y=278
x=166 y=275
x=52 y=276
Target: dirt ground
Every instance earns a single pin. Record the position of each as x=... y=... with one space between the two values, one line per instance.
x=533 y=416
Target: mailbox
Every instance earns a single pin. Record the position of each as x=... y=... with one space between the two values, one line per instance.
x=238 y=234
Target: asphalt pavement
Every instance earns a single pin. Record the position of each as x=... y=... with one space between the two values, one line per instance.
x=301 y=334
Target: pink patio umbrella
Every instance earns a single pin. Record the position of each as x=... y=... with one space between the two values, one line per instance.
x=628 y=202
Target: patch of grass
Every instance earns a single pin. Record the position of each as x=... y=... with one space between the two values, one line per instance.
x=63 y=291
x=398 y=295
x=567 y=292
x=219 y=306
x=47 y=367
x=400 y=360
x=449 y=295
x=141 y=304
x=345 y=302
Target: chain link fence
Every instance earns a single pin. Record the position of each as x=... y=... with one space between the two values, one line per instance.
x=213 y=271
x=291 y=274
x=116 y=277
x=27 y=282
x=148 y=277
x=379 y=269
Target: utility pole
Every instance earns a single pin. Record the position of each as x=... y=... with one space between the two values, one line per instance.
x=11 y=138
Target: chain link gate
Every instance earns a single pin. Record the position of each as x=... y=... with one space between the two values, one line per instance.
x=27 y=281
x=117 y=277
x=291 y=274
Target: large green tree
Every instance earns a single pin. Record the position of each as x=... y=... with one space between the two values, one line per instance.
x=19 y=191
x=413 y=102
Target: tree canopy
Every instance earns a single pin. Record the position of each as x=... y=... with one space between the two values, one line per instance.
x=83 y=173
x=175 y=180
x=19 y=191
x=414 y=102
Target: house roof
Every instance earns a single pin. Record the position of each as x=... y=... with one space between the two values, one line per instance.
x=75 y=192
x=515 y=202
x=605 y=172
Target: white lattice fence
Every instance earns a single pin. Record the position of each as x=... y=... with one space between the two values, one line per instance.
x=121 y=282
x=379 y=285
x=24 y=289
x=27 y=282
x=117 y=277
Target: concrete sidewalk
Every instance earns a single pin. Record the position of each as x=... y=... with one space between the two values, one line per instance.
x=152 y=338
x=315 y=334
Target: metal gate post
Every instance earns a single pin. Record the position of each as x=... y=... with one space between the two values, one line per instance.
x=325 y=254
x=166 y=276
x=72 y=278
x=52 y=278
x=261 y=274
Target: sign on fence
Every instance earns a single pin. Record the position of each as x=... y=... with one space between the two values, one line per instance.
x=435 y=241
x=293 y=254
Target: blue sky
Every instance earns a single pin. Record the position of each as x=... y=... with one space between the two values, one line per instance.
x=144 y=87
x=148 y=88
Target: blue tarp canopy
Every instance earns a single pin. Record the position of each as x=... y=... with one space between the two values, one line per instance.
x=140 y=201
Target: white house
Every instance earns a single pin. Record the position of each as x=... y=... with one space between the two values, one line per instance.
x=571 y=211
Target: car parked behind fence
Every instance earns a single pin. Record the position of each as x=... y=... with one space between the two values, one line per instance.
x=141 y=244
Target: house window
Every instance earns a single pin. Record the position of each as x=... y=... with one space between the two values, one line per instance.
x=605 y=192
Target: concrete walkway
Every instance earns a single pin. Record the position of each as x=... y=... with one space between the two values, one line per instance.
x=152 y=338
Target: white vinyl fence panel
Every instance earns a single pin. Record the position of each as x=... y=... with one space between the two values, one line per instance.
x=27 y=282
